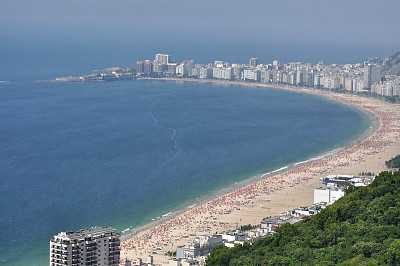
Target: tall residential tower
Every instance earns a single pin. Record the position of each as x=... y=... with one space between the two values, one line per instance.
x=372 y=74
x=163 y=58
x=93 y=246
x=253 y=62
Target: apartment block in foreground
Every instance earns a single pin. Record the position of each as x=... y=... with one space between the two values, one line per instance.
x=93 y=246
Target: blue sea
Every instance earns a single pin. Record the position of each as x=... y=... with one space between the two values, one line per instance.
x=76 y=155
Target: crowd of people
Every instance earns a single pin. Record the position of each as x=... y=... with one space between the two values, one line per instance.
x=213 y=216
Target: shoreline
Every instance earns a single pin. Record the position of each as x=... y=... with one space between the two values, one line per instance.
x=168 y=232
x=182 y=208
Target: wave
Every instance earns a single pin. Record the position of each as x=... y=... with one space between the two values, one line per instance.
x=280 y=169
x=319 y=157
x=306 y=161
x=167 y=214
x=127 y=229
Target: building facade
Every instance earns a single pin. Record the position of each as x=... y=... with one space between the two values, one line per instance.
x=253 y=62
x=201 y=246
x=328 y=195
x=163 y=58
x=372 y=74
x=93 y=246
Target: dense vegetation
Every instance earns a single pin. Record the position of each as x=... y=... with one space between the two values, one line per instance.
x=361 y=228
x=247 y=227
x=393 y=163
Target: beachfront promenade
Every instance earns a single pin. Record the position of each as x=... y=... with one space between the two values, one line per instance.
x=276 y=192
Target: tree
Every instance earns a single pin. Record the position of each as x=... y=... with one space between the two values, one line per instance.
x=362 y=228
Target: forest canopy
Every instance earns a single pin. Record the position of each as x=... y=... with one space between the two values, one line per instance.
x=360 y=228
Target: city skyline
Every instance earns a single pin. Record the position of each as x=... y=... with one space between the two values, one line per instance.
x=371 y=76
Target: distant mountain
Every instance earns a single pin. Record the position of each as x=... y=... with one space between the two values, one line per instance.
x=391 y=65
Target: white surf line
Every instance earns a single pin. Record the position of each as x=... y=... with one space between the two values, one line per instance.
x=280 y=169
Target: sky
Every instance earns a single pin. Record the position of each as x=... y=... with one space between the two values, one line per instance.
x=368 y=24
x=350 y=21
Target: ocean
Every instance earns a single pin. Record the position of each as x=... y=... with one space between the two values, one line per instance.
x=76 y=155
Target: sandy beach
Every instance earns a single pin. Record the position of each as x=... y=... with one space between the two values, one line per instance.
x=276 y=192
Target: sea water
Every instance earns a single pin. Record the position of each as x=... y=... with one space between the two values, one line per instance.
x=76 y=155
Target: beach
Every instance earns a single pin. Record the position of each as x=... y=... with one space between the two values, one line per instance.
x=275 y=192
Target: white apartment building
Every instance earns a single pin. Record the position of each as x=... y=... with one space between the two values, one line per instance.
x=205 y=73
x=372 y=74
x=348 y=84
x=252 y=74
x=93 y=246
x=253 y=62
x=163 y=58
x=265 y=76
x=223 y=73
x=358 y=84
x=200 y=246
x=182 y=70
x=331 y=82
x=237 y=72
x=317 y=80
x=328 y=195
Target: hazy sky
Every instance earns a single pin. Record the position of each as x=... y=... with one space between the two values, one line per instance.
x=303 y=21
x=337 y=31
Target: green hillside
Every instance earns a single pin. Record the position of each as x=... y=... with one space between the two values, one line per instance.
x=361 y=228
x=394 y=162
x=391 y=65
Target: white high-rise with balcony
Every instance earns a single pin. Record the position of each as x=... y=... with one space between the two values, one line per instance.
x=163 y=58
x=93 y=246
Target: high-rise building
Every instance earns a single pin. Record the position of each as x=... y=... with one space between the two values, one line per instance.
x=219 y=63
x=147 y=66
x=237 y=73
x=372 y=74
x=93 y=246
x=205 y=73
x=182 y=70
x=316 y=80
x=163 y=58
x=157 y=67
x=265 y=76
x=144 y=67
x=253 y=62
x=358 y=84
x=276 y=76
x=190 y=64
x=331 y=82
x=139 y=67
x=348 y=83
x=223 y=73
x=299 y=77
x=251 y=75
